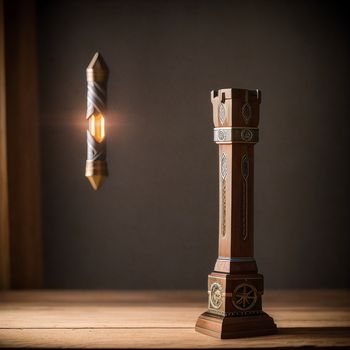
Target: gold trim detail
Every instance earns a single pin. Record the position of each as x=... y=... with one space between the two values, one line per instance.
x=223 y=170
x=216 y=296
x=223 y=229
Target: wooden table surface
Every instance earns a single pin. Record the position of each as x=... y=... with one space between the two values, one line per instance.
x=160 y=319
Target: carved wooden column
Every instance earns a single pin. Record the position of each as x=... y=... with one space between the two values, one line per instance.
x=235 y=287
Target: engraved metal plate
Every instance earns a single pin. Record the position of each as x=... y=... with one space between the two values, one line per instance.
x=229 y=135
x=246 y=112
x=223 y=166
x=244 y=296
x=246 y=135
x=216 y=296
x=222 y=113
x=222 y=135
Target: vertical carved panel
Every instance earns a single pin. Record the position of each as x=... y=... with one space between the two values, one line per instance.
x=245 y=174
x=223 y=172
x=246 y=109
x=222 y=113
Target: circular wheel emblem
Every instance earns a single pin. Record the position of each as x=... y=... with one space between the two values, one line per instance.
x=221 y=135
x=216 y=296
x=246 y=135
x=244 y=296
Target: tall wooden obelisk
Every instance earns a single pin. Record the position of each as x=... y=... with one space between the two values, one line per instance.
x=235 y=287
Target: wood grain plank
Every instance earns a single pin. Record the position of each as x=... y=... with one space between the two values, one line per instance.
x=162 y=319
x=104 y=296
x=275 y=298
x=166 y=316
x=166 y=338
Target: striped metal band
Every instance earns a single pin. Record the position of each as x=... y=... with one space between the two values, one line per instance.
x=241 y=259
x=227 y=135
x=95 y=150
x=96 y=98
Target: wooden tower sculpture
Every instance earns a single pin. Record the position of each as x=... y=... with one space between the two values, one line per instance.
x=235 y=287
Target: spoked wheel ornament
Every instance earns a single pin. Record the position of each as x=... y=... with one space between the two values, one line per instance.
x=244 y=296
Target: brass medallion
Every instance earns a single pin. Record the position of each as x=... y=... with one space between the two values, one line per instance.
x=216 y=295
x=222 y=135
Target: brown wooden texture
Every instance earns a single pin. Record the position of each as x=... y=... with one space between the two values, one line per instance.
x=235 y=288
x=23 y=144
x=163 y=319
x=231 y=243
x=4 y=214
x=222 y=327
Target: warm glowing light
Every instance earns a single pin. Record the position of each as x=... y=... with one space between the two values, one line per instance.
x=97 y=127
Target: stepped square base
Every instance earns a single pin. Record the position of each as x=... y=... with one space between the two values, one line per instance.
x=228 y=327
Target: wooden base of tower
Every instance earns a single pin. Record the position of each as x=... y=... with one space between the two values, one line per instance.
x=228 y=327
x=235 y=306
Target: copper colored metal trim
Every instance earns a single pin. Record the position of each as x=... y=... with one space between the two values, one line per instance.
x=96 y=167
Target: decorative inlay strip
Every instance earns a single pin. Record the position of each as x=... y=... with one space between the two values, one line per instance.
x=241 y=259
x=246 y=109
x=223 y=166
x=245 y=174
x=236 y=313
x=222 y=113
x=223 y=170
x=227 y=135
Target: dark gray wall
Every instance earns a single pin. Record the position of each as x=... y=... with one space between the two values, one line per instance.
x=154 y=222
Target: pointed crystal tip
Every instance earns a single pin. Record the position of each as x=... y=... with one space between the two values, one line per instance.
x=97 y=62
x=97 y=69
x=96 y=181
